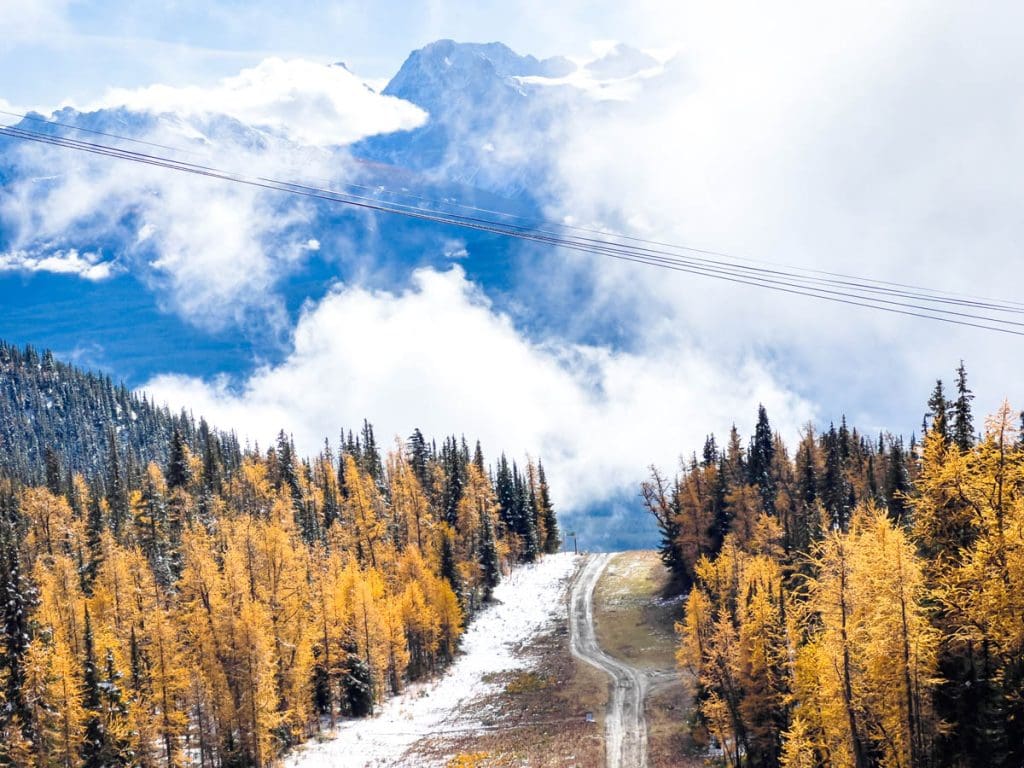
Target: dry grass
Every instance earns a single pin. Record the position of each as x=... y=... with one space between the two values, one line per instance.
x=633 y=621
x=636 y=623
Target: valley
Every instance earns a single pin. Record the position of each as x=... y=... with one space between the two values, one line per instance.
x=571 y=666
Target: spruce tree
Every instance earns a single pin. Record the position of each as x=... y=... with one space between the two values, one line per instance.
x=489 y=566
x=525 y=526
x=710 y=453
x=179 y=473
x=94 y=526
x=17 y=602
x=419 y=455
x=505 y=491
x=95 y=747
x=963 y=421
x=759 y=461
x=372 y=464
x=897 y=483
x=117 y=489
x=938 y=410
x=53 y=472
x=552 y=537
x=835 y=490
x=449 y=568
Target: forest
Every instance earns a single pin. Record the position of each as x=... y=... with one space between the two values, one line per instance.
x=859 y=602
x=170 y=599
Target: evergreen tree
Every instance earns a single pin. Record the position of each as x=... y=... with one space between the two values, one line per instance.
x=449 y=568
x=53 y=472
x=490 y=568
x=897 y=483
x=358 y=686
x=759 y=461
x=835 y=490
x=552 y=537
x=96 y=750
x=963 y=421
x=17 y=602
x=938 y=410
x=710 y=452
x=662 y=501
x=371 y=461
x=179 y=472
x=95 y=525
x=505 y=491
x=117 y=489
x=419 y=456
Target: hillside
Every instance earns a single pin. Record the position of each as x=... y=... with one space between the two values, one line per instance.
x=50 y=406
x=224 y=606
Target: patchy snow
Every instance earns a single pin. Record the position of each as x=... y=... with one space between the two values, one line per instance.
x=525 y=603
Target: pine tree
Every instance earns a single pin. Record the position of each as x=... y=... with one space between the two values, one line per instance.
x=449 y=567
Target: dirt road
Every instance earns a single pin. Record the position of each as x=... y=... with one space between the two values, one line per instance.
x=625 y=723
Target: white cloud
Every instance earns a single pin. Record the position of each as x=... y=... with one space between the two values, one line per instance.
x=439 y=357
x=26 y=20
x=308 y=103
x=213 y=251
x=880 y=141
x=89 y=266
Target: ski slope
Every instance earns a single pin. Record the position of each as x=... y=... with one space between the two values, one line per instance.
x=525 y=604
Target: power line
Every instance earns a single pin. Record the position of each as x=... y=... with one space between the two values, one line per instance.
x=855 y=291
x=830 y=278
x=802 y=275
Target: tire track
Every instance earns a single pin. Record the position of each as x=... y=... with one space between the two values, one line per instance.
x=625 y=722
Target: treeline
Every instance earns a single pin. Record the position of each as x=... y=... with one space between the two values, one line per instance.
x=47 y=406
x=859 y=603
x=219 y=607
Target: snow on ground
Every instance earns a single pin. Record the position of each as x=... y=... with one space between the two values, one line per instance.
x=525 y=603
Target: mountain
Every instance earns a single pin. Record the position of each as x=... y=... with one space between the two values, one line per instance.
x=481 y=115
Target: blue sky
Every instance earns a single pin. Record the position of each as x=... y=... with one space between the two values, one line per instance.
x=849 y=137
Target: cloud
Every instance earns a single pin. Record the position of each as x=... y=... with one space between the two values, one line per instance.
x=308 y=103
x=440 y=357
x=840 y=136
x=29 y=20
x=215 y=252
x=89 y=266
